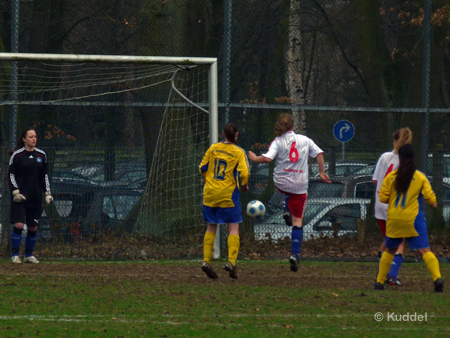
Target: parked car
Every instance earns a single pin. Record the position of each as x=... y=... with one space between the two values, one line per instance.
x=126 y=176
x=357 y=186
x=341 y=168
x=102 y=209
x=345 y=190
x=366 y=170
x=445 y=165
x=323 y=217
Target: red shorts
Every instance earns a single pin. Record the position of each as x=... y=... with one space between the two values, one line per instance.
x=296 y=203
x=382 y=226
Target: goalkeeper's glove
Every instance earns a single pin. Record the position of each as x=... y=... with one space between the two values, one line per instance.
x=17 y=196
x=48 y=197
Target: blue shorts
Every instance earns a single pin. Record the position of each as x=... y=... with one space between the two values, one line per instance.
x=419 y=242
x=219 y=215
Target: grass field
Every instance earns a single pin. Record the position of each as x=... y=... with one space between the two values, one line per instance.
x=175 y=299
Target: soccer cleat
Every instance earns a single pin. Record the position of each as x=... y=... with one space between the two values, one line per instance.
x=288 y=218
x=439 y=285
x=294 y=262
x=232 y=269
x=31 y=259
x=379 y=286
x=207 y=268
x=394 y=281
x=15 y=260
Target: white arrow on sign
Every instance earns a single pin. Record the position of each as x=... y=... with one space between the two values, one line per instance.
x=344 y=128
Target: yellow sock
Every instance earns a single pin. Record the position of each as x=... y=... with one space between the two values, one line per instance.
x=233 y=248
x=432 y=265
x=385 y=265
x=208 y=246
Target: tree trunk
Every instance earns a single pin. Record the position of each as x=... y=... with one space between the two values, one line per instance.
x=294 y=81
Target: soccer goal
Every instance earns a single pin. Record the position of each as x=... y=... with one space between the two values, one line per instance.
x=182 y=89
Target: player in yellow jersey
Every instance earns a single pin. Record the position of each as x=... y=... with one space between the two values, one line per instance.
x=404 y=190
x=225 y=168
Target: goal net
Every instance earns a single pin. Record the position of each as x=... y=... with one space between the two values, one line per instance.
x=172 y=102
x=172 y=202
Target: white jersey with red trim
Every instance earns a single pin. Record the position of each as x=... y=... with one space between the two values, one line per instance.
x=388 y=162
x=291 y=151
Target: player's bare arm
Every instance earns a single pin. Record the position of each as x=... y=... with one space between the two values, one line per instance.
x=321 y=163
x=259 y=159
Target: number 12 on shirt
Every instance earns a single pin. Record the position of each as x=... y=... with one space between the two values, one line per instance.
x=220 y=166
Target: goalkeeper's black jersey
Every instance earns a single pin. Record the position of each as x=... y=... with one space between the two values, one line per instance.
x=28 y=173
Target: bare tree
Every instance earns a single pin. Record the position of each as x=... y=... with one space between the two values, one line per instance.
x=294 y=81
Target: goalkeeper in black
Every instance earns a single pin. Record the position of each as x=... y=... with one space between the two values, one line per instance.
x=29 y=182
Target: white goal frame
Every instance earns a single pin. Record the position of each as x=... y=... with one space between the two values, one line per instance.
x=79 y=58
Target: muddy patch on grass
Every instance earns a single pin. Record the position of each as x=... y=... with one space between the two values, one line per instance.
x=343 y=276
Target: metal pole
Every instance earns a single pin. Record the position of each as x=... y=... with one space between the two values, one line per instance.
x=14 y=72
x=221 y=235
x=226 y=60
x=214 y=130
x=425 y=84
x=13 y=97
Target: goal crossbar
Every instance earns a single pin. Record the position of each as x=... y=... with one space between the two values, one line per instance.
x=79 y=58
x=107 y=58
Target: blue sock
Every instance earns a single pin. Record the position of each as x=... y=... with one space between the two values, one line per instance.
x=286 y=206
x=30 y=243
x=297 y=239
x=395 y=266
x=16 y=240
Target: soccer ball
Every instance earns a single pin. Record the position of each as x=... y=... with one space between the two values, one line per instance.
x=256 y=209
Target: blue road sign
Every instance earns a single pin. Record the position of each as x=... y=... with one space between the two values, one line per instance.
x=344 y=131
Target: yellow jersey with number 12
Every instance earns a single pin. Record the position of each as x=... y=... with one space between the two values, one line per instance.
x=223 y=165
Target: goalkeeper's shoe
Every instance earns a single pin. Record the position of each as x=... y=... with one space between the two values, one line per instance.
x=379 y=286
x=439 y=285
x=31 y=259
x=287 y=218
x=207 y=268
x=394 y=281
x=294 y=262
x=232 y=269
x=15 y=260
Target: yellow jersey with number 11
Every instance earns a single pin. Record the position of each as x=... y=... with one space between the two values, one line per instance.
x=223 y=165
x=405 y=213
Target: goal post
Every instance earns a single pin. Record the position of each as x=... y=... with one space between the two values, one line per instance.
x=172 y=200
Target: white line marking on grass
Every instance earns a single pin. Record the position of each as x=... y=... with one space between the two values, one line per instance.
x=113 y=317
x=82 y=319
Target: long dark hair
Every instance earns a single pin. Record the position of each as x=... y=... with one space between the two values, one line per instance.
x=406 y=169
x=284 y=123
x=230 y=132
x=20 y=144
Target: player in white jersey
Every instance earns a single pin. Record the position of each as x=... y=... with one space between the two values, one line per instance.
x=291 y=152
x=388 y=162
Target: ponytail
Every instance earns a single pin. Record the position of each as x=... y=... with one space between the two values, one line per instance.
x=402 y=136
x=406 y=169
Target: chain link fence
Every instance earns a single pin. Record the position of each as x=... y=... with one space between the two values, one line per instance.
x=98 y=192
x=326 y=61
